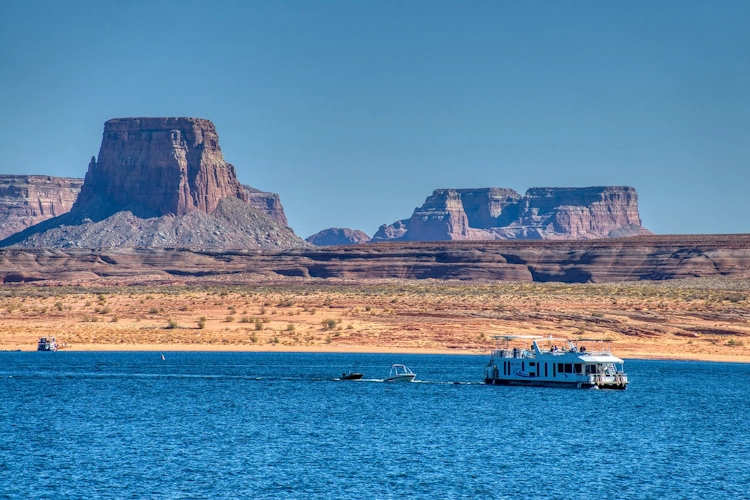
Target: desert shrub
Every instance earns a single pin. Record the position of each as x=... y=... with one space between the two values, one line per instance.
x=229 y=319
x=290 y=327
x=329 y=324
x=368 y=308
x=59 y=306
x=735 y=343
x=171 y=324
x=114 y=319
x=153 y=310
x=246 y=319
x=286 y=303
x=201 y=323
x=258 y=324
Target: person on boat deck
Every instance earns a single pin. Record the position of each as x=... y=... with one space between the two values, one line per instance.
x=583 y=349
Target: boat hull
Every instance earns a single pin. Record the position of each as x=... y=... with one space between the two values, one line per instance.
x=552 y=383
x=401 y=378
x=352 y=376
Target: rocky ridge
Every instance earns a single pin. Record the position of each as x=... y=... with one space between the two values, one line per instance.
x=338 y=236
x=161 y=182
x=26 y=200
x=499 y=213
x=568 y=261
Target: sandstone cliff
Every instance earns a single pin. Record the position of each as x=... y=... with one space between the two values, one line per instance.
x=542 y=213
x=268 y=203
x=338 y=236
x=26 y=200
x=160 y=182
x=160 y=166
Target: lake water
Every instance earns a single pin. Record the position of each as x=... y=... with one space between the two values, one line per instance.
x=269 y=425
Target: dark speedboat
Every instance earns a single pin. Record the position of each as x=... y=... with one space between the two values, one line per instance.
x=351 y=376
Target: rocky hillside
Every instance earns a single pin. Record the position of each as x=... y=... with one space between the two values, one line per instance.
x=26 y=200
x=160 y=182
x=542 y=213
x=338 y=236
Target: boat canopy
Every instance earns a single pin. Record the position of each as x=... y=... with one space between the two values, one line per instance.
x=511 y=337
x=600 y=359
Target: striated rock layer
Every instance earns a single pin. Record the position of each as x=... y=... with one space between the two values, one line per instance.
x=338 y=236
x=26 y=200
x=583 y=261
x=542 y=213
x=162 y=182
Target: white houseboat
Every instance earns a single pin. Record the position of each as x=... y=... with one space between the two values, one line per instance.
x=46 y=344
x=550 y=365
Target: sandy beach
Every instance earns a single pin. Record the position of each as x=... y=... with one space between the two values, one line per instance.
x=700 y=319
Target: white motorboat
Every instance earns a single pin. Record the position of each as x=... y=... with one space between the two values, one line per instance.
x=571 y=365
x=400 y=373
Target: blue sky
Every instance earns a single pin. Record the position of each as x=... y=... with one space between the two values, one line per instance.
x=355 y=111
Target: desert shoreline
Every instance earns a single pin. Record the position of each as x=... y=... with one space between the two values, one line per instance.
x=161 y=348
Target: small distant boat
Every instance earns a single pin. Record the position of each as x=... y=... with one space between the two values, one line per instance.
x=351 y=376
x=46 y=344
x=400 y=373
x=162 y=357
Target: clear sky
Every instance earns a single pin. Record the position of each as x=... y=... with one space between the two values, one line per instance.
x=354 y=111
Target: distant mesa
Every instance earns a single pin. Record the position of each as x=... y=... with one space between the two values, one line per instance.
x=26 y=200
x=163 y=182
x=502 y=214
x=337 y=236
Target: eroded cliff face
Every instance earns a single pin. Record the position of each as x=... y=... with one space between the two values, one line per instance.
x=336 y=236
x=163 y=182
x=542 y=213
x=26 y=200
x=162 y=166
x=268 y=203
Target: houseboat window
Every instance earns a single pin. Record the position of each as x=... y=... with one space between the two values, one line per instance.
x=554 y=370
x=568 y=368
x=523 y=366
x=578 y=368
x=545 y=369
x=561 y=367
x=532 y=363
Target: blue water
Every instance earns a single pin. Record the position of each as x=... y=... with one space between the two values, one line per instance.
x=268 y=425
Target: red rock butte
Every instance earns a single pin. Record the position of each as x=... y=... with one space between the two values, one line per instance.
x=163 y=165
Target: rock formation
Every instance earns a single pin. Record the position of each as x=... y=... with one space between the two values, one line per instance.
x=338 y=236
x=542 y=213
x=268 y=203
x=160 y=166
x=571 y=261
x=160 y=182
x=26 y=200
